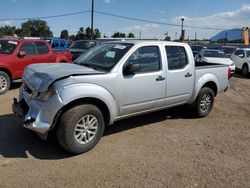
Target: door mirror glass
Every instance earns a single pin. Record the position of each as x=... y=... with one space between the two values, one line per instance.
x=132 y=68
x=21 y=53
x=241 y=55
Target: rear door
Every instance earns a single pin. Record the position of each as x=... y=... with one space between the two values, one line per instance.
x=180 y=75
x=44 y=55
x=145 y=89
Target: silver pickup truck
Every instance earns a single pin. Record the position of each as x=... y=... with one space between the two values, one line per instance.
x=113 y=81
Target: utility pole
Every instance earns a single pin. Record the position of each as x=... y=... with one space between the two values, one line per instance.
x=195 y=37
x=140 y=34
x=92 y=20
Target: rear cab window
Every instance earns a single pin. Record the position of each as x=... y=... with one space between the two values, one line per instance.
x=177 y=57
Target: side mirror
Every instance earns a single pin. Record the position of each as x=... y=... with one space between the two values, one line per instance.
x=132 y=68
x=241 y=55
x=21 y=54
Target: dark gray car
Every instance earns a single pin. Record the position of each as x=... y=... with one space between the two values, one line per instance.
x=80 y=46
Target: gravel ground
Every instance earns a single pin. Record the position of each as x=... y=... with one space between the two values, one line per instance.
x=169 y=148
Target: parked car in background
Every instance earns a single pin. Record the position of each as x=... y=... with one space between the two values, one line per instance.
x=80 y=46
x=241 y=58
x=228 y=50
x=16 y=54
x=215 y=56
x=196 y=49
x=114 y=81
x=58 y=43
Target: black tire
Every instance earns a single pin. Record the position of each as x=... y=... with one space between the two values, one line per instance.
x=67 y=133
x=244 y=71
x=4 y=82
x=204 y=102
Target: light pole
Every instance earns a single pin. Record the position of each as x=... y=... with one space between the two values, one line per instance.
x=182 y=21
x=182 y=37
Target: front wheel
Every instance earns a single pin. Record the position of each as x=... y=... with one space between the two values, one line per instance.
x=204 y=102
x=245 y=70
x=4 y=82
x=80 y=128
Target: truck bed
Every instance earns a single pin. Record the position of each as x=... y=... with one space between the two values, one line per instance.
x=218 y=71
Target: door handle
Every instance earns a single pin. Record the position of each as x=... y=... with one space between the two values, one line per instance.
x=160 y=78
x=188 y=75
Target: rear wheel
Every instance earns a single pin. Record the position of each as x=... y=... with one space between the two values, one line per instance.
x=245 y=70
x=80 y=128
x=4 y=82
x=204 y=102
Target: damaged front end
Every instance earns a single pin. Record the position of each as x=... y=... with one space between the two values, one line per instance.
x=38 y=110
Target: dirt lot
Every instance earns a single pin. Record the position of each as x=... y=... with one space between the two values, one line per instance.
x=164 y=149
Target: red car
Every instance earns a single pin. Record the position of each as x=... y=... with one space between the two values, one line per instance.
x=16 y=54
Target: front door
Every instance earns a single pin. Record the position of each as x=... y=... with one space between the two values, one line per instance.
x=145 y=89
x=23 y=61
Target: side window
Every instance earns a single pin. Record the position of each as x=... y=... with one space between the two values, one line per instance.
x=148 y=57
x=248 y=53
x=28 y=47
x=55 y=44
x=177 y=57
x=238 y=52
x=62 y=43
x=42 y=48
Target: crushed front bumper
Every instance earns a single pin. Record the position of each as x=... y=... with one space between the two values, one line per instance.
x=38 y=116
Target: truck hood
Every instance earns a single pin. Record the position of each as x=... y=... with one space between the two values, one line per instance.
x=41 y=76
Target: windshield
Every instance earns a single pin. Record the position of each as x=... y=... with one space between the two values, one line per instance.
x=217 y=54
x=104 y=56
x=82 y=45
x=7 y=46
x=197 y=48
x=229 y=50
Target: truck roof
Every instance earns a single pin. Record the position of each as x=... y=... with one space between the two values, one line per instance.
x=145 y=41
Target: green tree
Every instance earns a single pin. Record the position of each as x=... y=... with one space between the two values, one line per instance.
x=88 y=33
x=80 y=34
x=64 y=34
x=36 y=28
x=131 y=35
x=119 y=35
x=97 y=33
x=72 y=37
x=7 y=30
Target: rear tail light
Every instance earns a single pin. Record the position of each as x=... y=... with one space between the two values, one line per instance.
x=228 y=73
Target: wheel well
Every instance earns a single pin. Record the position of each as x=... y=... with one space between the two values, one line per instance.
x=245 y=64
x=7 y=72
x=100 y=104
x=211 y=85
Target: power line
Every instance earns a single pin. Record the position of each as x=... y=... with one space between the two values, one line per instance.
x=156 y=22
x=45 y=17
x=113 y=15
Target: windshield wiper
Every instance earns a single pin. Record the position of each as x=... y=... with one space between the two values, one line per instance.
x=91 y=66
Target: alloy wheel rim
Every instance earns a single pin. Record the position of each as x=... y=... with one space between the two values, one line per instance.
x=86 y=129
x=3 y=83
x=205 y=103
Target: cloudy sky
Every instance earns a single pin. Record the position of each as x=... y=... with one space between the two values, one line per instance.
x=212 y=15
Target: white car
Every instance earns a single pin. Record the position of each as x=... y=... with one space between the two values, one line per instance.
x=215 y=56
x=241 y=58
